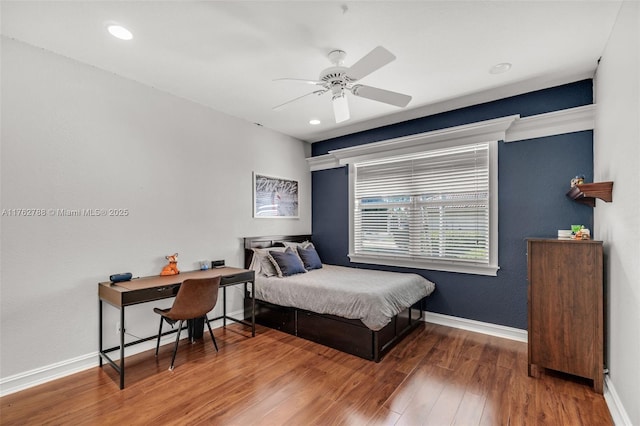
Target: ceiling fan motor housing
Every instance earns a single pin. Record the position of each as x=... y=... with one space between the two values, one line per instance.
x=335 y=76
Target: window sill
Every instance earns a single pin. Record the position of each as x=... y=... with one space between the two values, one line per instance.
x=463 y=268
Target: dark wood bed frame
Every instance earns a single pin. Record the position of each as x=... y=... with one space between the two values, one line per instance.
x=347 y=335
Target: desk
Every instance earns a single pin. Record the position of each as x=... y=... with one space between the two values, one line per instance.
x=148 y=289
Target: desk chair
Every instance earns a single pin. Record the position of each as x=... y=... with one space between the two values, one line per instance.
x=195 y=299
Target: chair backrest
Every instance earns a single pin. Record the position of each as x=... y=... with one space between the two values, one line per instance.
x=196 y=297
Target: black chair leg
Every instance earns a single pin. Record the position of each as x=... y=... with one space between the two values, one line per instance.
x=175 y=350
x=211 y=333
x=159 y=334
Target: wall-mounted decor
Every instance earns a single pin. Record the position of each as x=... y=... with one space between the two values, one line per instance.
x=274 y=197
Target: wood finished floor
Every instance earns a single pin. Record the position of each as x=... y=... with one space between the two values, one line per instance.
x=436 y=376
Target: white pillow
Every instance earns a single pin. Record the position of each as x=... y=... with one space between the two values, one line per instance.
x=293 y=245
x=261 y=262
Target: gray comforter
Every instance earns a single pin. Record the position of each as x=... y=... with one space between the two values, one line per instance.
x=374 y=297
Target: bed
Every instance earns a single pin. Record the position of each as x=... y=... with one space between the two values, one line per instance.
x=358 y=311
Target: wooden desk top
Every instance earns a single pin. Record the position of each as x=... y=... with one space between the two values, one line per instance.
x=143 y=289
x=162 y=280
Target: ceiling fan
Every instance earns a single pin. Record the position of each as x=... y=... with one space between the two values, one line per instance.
x=339 y=79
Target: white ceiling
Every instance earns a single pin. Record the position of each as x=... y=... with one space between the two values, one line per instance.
x=226 y=54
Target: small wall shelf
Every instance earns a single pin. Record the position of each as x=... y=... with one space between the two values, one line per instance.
x=588 y=192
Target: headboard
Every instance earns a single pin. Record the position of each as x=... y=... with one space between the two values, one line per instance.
x=270 y=241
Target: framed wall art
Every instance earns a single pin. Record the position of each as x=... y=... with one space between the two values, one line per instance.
x=274 y=197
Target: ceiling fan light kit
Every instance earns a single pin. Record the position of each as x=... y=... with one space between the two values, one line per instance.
x=340 y=107
x=339 y=79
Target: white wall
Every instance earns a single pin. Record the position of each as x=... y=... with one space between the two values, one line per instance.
x=617 y=158
x=75 y=137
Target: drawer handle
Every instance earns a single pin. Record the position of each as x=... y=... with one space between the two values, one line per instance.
x=229 y=277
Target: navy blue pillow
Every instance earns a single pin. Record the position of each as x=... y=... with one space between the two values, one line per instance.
x=310 y=258
x=287 y=262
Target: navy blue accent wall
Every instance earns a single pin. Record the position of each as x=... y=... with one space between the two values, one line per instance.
x=553 y=99
x=533 y=179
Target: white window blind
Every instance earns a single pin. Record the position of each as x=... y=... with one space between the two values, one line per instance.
x=431 y=206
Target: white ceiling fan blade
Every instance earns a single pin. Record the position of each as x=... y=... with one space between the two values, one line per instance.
x=314 y=82
x=372 y=61
x=317 y=92
x=381 y=95
x=340 y=108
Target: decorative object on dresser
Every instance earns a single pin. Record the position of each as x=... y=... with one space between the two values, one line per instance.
x=565 y=293
x=357 y=311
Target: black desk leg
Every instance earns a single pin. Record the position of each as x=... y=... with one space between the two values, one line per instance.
x=224 y=306
x=253 y=309
x=122 y=348
x=100 y=332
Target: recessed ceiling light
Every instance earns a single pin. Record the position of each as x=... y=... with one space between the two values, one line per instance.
x=120 y=32
x=500 y=68
x=314 y=122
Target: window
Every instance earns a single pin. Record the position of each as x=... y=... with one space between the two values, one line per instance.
x=433 y=209
x=428 y=200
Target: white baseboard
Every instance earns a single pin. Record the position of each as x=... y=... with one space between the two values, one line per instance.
x=47 y=373
x=616 y=409
x=37 y=376
x=477 y=326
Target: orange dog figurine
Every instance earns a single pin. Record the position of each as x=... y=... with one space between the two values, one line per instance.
x=172 y=267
